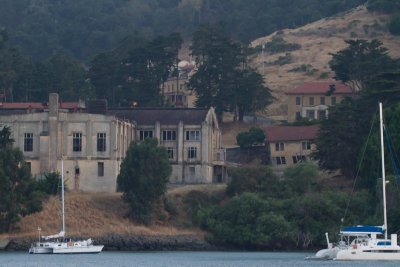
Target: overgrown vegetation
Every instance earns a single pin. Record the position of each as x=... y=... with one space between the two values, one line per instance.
x=143 y=178
x=292 y=212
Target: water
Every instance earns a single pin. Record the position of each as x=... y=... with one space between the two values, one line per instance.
x=173 y=259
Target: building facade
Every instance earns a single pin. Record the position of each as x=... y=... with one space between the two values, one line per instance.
x=91 y=144
x=289 y=145
x=312 y=100
x=191 y=137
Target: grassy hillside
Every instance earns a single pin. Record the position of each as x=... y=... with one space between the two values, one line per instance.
x=97 y=214
x=286 y=70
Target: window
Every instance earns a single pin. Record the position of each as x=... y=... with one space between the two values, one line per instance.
x=298 y=100
x=101 y=142
x=280 y=160
x=170 y=152
x=298 y=115
x=28 y=142
x=311 y=101
x=333 y=100
x=100 y=169
x=321 y=114
x=168 y=135
x=76 y=142
x=311 y=114
x=145 y=134
x=279 y=146
x=306 y=145
x=29 y=165
x=297 y=159
x=192 y=152
x=192 y=135
x=322 y=100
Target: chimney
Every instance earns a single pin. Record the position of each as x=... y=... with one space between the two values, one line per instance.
x=53 y=104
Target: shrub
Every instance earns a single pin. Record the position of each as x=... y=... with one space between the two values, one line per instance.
x=50 y=183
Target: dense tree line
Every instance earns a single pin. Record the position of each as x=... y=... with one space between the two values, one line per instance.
x=289 y=212
x=88 y=27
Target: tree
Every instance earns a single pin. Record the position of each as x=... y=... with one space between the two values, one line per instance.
x=143 y=177
x=216 y=59
x=360 y=61
x=254 y=136
x=18 y=193
x=5 y=137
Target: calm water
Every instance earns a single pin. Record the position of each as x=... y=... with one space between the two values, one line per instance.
x=188 y=259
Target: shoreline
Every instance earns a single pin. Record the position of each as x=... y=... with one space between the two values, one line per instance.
x=124 y=242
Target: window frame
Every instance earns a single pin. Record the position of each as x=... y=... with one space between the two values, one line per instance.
x=143 y=134
x=77 y=142
x=168 y=135
x=28 y=142
x=100 y=169
x=192 y=153
x=311 y=101
x=101 y=142
x=192 y=135
x=170 y=152
x=279 y=146
x=298 y=101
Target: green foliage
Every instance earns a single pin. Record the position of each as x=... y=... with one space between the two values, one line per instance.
x=302 y=177
x=254 y=136
x=394 y=24
x=143 y=177
x=247 y=221
x=50 y=184
x=360 y=61
x=283 y=60
x=18 y=194
x=88 y=27
x=135 y=70
x=5 y=137
x=252 y=179
x=385 y=6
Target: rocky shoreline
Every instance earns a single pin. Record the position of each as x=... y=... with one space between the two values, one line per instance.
x=120 y=242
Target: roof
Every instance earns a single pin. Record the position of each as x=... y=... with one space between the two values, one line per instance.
x=291 y=133
x=362 y=229
x=38 y=105
x=321 y=88
x=148 y=116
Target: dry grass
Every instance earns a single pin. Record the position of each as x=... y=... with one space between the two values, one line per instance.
x=89 y=214
x=318 y=40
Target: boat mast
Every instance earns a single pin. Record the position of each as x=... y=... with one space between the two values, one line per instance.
x=62 y=194
x=383 y=170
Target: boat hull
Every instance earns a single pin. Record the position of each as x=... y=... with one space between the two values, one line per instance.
x=358 y=254
x=76 y=250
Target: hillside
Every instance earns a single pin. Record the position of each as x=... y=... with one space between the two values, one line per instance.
x=318 y=40
x=99 y=214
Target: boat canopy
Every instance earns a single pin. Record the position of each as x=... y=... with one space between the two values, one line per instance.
x=362 y=230
x=60 y=234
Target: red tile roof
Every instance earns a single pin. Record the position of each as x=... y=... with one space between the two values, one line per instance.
x=276 y=133
x=321 y=88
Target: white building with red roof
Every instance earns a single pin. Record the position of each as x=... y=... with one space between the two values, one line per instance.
x=313 y=99
x=289 y=145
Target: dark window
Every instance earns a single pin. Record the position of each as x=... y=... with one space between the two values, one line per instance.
x=170 y=151
x=306 y=145
x=311 y=100
x=321 y=114
x=145 y=134
x=28 y=142
x=298 y=101
x=101 y=142
x=168 y=135
x=77 y=142
x=322 y=100
x=311 y=114
x=192 y=152
x=280 y=160
x=333 y=100
x=192 y=135
x=279 y=146
x=100 y=169
x=298 y=115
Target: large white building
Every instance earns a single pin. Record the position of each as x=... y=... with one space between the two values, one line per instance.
x=92 y=141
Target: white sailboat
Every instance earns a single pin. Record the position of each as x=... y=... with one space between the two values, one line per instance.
x=366 y=242
x=64 y=246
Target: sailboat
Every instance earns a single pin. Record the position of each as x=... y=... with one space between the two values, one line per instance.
x=363 y=242
x=52 y=245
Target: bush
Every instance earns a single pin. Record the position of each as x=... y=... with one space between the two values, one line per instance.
x=394 y=25
x=278 y=45
x=50 y=184
x=302 y=177
x=253 y=136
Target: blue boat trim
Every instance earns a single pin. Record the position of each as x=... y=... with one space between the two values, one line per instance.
x=363 y=229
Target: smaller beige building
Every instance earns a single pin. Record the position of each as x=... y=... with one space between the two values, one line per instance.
x=289 y=145
x=312 y=100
